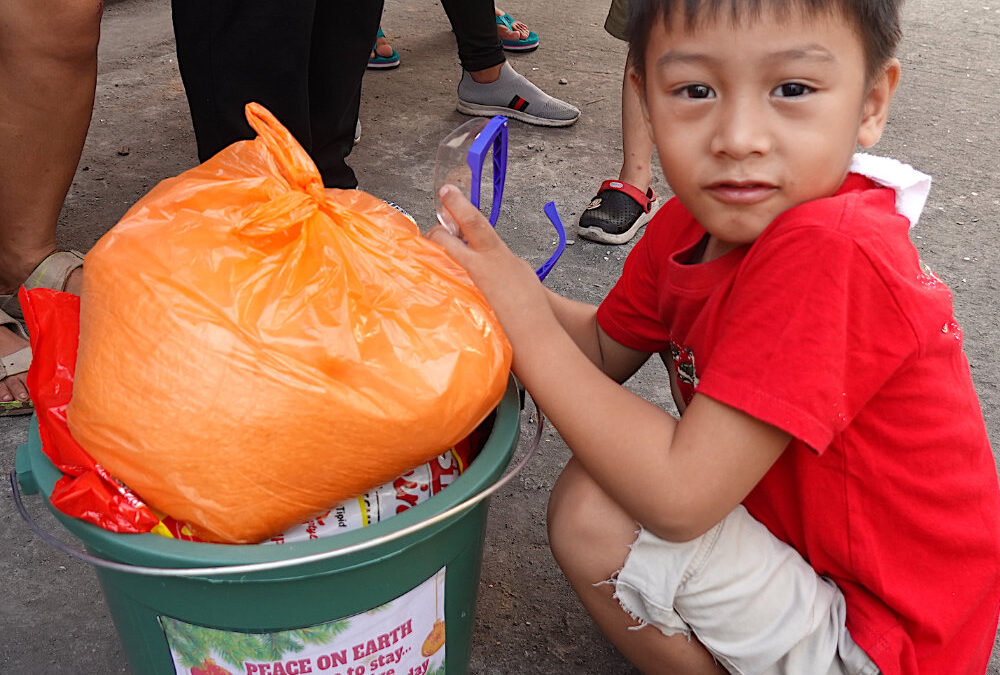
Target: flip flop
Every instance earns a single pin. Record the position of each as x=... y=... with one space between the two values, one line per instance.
x=528 y=44
x=15 y=364
x=50 y=273
x=383 y=62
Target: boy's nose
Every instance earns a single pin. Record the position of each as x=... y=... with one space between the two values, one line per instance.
x=742 y=130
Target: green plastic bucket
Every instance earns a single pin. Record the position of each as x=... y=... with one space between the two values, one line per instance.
x=357 y=603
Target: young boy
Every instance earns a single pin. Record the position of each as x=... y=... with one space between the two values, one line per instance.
x=828 y=501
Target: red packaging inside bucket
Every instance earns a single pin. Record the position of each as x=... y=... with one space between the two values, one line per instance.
x=86 y=490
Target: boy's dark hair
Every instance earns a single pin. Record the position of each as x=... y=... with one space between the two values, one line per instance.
x=876 y=21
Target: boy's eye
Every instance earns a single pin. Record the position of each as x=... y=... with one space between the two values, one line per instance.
x=697 y=91
x=792 y=89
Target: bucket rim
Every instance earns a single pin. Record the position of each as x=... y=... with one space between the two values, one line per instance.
x=150 y=549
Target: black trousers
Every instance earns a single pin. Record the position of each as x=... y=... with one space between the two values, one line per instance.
x=301 y=59
x=475 y=27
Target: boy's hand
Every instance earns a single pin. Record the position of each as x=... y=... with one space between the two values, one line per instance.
x=509 y=284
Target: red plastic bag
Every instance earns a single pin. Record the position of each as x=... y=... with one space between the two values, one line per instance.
x=86 y=490
x=255 y=349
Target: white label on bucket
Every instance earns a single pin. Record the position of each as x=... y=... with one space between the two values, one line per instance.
x=405 y=636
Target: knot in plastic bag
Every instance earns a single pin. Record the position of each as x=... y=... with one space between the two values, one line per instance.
x=294 y=193
x=278 y=215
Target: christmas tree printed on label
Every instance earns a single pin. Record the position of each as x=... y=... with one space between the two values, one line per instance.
x=405 y=636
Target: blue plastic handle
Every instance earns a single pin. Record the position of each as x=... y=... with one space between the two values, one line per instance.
x=550 y=211
x=494 y=136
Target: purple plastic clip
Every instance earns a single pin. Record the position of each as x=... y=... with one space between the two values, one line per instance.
x=494 y=135
x=553 y=215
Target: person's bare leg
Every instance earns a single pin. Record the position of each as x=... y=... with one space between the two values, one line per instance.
x=637 y=146
x=486 y=75
x=590 y=537
x=48 y=73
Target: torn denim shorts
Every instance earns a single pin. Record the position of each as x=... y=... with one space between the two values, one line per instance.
x=748 y=597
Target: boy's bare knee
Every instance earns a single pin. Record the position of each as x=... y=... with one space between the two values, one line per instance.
x=589 y=534
x=569 y=500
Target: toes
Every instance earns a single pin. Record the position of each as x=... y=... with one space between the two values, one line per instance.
x=13 y=388
x=383 y=48
x=520 y=32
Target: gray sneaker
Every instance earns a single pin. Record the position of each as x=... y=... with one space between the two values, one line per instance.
x=514 y=96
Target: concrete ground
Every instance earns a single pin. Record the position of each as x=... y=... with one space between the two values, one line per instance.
x=52 y=616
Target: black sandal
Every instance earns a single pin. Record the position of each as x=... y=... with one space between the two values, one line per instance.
x=616 y=213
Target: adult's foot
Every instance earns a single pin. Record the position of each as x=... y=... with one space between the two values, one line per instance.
x=515 y=35
x=382 y=47
x=501 y=90
x=383 y=56
x=517 y=31
x=12 y=388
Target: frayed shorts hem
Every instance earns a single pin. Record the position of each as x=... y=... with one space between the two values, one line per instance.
x=748 y=597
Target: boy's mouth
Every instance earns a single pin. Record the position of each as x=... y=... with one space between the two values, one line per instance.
x=741 y=191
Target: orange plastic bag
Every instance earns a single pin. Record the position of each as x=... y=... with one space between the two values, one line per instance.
x=255 y=348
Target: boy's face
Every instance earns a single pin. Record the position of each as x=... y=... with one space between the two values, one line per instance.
x=754 y=118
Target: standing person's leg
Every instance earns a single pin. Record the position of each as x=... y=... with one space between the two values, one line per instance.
x=637 y=144
x=342 y=37
x=48 y=74
x=231 y=52
x=489 y=85
x=474 y=24
x=622 y=206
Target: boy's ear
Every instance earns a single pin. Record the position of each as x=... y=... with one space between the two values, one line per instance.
x=876 y=104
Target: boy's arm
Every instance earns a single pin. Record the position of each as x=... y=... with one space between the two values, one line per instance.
x=675 y=478
x=580 y=320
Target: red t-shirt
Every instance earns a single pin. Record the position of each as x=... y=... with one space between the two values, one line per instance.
x=829 y=328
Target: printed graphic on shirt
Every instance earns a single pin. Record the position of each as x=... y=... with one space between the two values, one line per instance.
x=687 y=373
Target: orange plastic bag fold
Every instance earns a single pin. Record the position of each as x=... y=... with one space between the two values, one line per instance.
x=255 y=348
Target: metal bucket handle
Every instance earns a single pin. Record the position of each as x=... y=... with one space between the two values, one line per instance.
x=286 y=562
